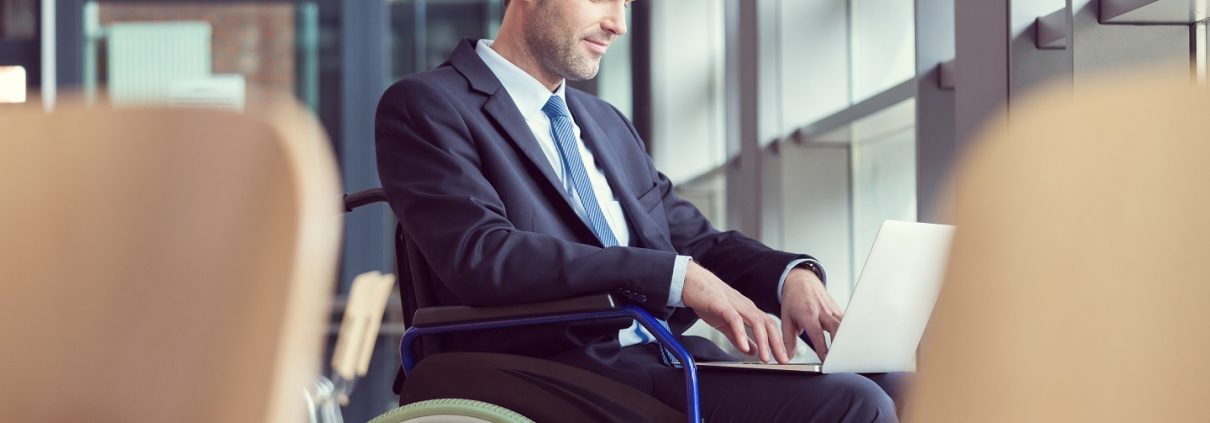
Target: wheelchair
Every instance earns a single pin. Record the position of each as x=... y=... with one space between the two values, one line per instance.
x=425 y=319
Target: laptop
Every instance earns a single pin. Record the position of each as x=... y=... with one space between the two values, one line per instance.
x=890 y=305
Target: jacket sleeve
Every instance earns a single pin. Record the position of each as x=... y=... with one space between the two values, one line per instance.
x=750 y=267
x=430 y=170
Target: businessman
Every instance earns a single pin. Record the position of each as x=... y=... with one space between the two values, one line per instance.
x=517 y=188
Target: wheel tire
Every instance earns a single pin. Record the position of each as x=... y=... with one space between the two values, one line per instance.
x=453 y=408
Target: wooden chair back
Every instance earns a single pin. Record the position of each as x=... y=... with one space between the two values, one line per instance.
x=164 y=264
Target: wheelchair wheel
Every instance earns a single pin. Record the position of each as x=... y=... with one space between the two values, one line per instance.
x=451 y=410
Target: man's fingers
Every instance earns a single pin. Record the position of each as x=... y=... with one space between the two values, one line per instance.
x=760 y=331
x=830 y=324
x=839 y=315
x=789 y=333
x=736 y=332
x=776 y=342
x=815 y=333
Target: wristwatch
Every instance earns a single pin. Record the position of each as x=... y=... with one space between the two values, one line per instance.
x=815 y=268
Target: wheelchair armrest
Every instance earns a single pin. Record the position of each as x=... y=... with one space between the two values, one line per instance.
x=364 y=197
x=445 y=315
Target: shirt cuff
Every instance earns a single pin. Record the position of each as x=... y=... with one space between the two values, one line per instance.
x=781 y=282
x=678 y=281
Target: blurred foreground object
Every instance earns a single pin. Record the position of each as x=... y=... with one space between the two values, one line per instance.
x=1075 y=291
x=164 y=264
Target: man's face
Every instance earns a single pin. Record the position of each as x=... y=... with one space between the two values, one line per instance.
x=569 y=37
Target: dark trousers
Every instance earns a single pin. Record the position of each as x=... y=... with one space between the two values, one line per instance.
x=584 y=390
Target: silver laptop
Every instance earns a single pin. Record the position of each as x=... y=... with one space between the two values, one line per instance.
x=890 y=305
x=893 y=299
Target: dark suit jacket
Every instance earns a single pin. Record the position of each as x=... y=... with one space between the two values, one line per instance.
x=474 y=192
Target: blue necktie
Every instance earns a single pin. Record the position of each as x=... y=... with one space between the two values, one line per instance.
x=574 y=171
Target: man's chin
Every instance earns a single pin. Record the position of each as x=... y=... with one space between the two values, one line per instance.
x=582 y=77
x=584 y=72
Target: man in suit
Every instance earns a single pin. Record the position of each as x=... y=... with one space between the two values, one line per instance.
x=516 y=188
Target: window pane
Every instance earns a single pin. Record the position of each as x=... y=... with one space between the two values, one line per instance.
x=423 y=33
x=883 y=155
x=688 y=137
x=814 y=61
x=883 y=45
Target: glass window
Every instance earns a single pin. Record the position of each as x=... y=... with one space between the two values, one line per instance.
x=883 y=45
x=816 y=204
x=814 y=61
x=883 y=163
x=838 y=187
x=688 y=107
x=423 y=33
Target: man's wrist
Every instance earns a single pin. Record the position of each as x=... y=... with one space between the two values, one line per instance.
x=799 y=279
x=811 y=267
x=814 y=268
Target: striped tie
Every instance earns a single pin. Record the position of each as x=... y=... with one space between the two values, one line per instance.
x=573 y=169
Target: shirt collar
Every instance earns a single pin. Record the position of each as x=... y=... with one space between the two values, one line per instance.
x=529 y=94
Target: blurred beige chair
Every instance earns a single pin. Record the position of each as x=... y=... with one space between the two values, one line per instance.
x=1076 y=289
x=164 y=264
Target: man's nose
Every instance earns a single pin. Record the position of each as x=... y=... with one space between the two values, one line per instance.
x=616 y=21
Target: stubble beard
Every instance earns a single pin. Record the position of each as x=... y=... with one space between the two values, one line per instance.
x=558 y=51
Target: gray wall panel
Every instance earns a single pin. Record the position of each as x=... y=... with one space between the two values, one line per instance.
x=934 y=105
x=982 y=65
x=1097 y=48
x=1030 y=66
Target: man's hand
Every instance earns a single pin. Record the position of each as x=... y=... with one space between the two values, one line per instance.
x=807 y=307
x=725 y=309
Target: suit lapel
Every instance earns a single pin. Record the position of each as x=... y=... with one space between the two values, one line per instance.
x=501 y=108
x=608 y=156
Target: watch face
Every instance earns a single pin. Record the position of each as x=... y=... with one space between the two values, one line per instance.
x=814 y=268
